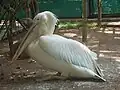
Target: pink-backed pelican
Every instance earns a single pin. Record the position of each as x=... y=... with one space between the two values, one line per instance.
x=69 y=57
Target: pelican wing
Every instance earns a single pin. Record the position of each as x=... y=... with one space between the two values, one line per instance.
x=70 y=51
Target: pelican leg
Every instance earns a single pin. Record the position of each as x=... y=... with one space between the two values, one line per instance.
x=52 y=77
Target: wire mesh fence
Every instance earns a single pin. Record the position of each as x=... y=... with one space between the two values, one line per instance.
x=10 y=24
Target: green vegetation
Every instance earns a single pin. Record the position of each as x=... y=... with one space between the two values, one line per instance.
x=75 y=25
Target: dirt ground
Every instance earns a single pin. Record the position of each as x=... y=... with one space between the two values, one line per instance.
x=26 y=74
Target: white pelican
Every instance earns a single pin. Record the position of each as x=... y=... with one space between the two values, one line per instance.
x=69 y=57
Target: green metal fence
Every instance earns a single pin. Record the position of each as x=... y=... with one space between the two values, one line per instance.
x=62 y=8
x=73 y=8
x=108 y=6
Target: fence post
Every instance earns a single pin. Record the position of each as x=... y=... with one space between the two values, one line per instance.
x=99 y=4
x=84 y=16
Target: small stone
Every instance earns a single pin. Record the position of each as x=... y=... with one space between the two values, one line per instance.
x=11 y=78
x=27 y=76
x=24 y=74
x=12 y=73
x=19 y=76
x=31 y=61
x=1 y=78
x=33 y=73
x=18 y=67
x=16 y=73
x=2 y=74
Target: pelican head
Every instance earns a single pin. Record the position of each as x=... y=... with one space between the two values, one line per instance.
x=43 y=24
x=46 y=22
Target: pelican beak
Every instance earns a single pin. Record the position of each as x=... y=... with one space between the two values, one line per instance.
x=25 y=42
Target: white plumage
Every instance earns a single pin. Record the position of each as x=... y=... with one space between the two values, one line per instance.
x=69 y=57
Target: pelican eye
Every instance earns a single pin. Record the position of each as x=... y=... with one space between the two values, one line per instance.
x=37 y=18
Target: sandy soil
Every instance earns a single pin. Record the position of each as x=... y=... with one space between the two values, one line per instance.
x=25 y=74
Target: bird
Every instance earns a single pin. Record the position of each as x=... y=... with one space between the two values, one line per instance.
x=70 y=58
